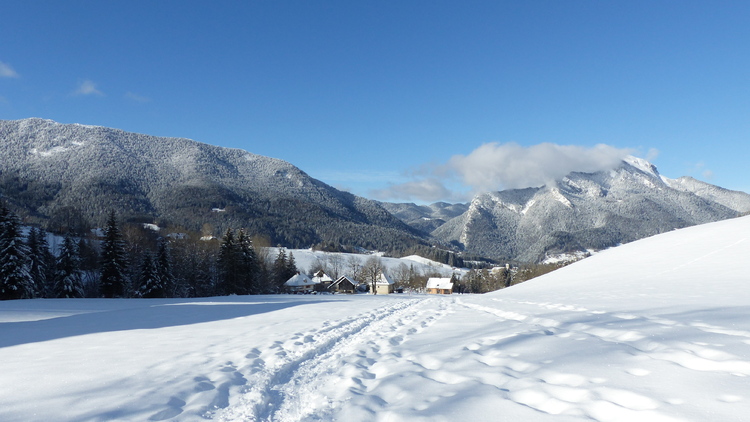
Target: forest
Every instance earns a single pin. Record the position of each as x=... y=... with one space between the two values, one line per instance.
x=134 y=260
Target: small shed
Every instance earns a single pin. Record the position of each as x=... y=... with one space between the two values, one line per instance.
x=299 y=283
x=343 y=284
x=440 y=286
x=384 y=285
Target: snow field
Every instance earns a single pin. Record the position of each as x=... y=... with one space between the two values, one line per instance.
x=655 y=330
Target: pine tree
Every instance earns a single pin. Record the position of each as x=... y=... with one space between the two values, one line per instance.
x=149 y=283
x=164 y=268
x=68 y=277
x=15 y=280
x=248 y=264
x=291 y=266
x=204 y=279
x=279 y=269
x=228 y=264
x=41 y=261
x=113 y=262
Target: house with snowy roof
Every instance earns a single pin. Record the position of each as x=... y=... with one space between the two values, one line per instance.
x=384 y=285
x=439 y=286
x=322 y=280
x=343 y=284
x=299 y=283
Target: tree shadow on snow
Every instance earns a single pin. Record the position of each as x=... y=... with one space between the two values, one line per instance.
x=107 y=315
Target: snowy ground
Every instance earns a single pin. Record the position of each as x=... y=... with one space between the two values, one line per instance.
x=656 y=330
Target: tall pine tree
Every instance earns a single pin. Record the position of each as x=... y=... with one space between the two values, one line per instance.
x=149 y=283
x=291 y=266
x=113 y=281
x=41 y=262
x=228 y=266
x=15 y=280
x=68 y=277
x=279 y=270
x=164 y=268
x=248 y=261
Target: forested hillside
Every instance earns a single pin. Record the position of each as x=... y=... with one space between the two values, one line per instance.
x=66 y=177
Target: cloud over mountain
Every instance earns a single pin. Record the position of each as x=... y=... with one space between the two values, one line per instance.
x=87 y=87
x=494 y=166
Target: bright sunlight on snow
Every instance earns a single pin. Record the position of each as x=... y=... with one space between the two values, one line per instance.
x=655 y=330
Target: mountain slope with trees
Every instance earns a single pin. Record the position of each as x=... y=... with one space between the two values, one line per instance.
x=69 y=177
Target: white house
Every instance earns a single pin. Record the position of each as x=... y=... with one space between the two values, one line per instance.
x=384 y=285
x=300 y=283
x=439 y=286
x=322 y=278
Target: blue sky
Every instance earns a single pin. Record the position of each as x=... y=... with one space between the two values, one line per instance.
x=398 y=100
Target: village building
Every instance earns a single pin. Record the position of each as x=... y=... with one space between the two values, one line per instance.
x=439 y=286
x=343 y=284
x=384 y=285
x=299 y=283
x=322 y=281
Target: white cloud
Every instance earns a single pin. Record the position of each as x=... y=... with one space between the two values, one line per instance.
x=87 y=87
x=493 y=167
x=496 y=166
x=700 y=167
x=137 y=98
x=7 y=72
x=428 y=190
x=652 y=154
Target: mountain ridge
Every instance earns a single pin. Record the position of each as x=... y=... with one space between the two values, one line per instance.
x=580 y=212
x=49 y=168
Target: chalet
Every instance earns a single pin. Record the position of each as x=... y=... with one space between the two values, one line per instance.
x=343 y=284
x=384 y=285
x=322 y=281
x=440 y=286
x=300 y=283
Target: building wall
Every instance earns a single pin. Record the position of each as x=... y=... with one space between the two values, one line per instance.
x=383 y=289
x=439 y=291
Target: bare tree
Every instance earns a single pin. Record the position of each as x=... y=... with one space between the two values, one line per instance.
x=354 y=266
x=335 y=263
x=371 y=270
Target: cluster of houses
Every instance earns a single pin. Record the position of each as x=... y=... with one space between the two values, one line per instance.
x=321 y=282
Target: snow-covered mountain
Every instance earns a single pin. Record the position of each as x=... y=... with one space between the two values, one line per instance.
x=60 y=172
x=587 y=211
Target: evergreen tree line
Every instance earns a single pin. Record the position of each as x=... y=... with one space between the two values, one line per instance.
x=28 y=269
x=134 y=262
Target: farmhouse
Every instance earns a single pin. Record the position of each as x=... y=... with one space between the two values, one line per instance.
x=343 y=284
x=299 y=283
x=322 y=280
x=440 y=286
x=384 y=285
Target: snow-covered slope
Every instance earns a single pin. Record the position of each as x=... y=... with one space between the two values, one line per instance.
x=54 y=173
x=306 y=259
x=588 y=211
x=655 y=330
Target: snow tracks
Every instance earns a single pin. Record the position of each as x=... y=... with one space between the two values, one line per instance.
x=309 y=375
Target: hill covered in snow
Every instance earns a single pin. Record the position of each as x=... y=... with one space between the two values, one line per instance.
x=61 y=175
x=583 y=211
x=655 y=330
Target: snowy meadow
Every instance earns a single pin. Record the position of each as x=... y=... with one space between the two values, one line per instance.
x=655 y=330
